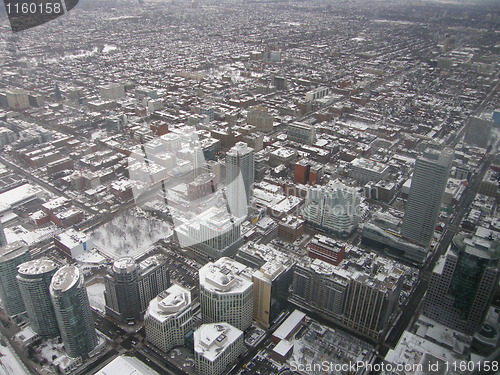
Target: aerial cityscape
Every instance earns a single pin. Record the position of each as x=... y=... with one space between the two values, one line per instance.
x=261 y=187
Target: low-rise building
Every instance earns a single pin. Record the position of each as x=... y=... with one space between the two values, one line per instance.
x=73 y=243
x=365 y=170
x=326 y=249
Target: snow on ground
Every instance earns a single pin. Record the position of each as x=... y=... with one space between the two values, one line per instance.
x=90 y=256
x=10 y=364
x=49 y=350
x=96 y=296
x=130 y=234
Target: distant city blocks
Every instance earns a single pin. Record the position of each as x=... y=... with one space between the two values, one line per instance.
x=251 y=188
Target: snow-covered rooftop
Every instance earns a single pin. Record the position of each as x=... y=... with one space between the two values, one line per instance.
x=12 y=250
x=72 y=238
x=283 y=347
x=210 y=340
x=18 y=194
x=169 y=302
x=65 y=278
x=225 y=276
x=37 y=267
x=124 y=365
x=286 y=328
x=125 y=264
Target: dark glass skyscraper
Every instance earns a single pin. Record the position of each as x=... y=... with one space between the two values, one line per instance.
x=239 y=178
x=462 y=284
x=11 y=256
x=3 y=240
x=131 y=286
x=34 y=279
x=122 y=291
x=72 y=308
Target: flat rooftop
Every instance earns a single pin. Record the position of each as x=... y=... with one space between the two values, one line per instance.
x=169 y=302
x=210 y=340
x=225 y=276
x=124 y=365
x=286 y=328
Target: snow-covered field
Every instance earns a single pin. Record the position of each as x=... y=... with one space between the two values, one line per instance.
x=10 y=364
x=96 y=296
x=130 y=234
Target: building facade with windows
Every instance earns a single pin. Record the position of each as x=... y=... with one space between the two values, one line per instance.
x=428 y=185
x=463 y=284
x=11 y=256
x=169 y=318
x=34 y=279
x=216 y=346
x=73 y=312
x=226 y=293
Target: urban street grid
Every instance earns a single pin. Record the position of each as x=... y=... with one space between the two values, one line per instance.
x=249 y=188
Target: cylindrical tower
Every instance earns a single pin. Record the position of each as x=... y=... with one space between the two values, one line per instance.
x=73 y=313
x=122 y=290
x=11 y=256
x=34 y=279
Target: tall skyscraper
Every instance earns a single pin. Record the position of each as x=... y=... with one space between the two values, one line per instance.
x=131 y=286
x=215 y=347
x=239 y=178
x=428 y=184
x=198 y=161
x=122 y=291
x=34 y=279
x=169 y=318
x=270 y=290
x=3 y=240
x=153 y=278
x=226 y=293
x=73 y=313
x=463 y=284
x=11 y=256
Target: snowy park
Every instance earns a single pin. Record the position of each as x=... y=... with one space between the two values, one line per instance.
x=130 y=234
